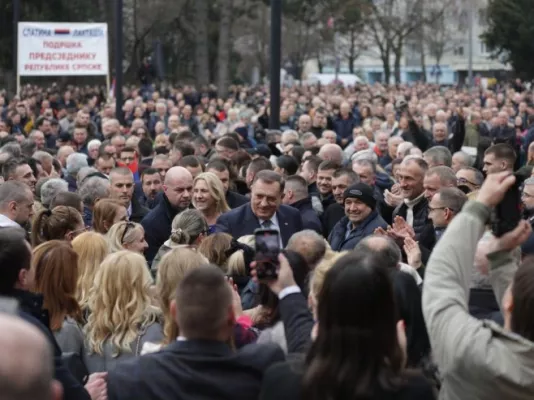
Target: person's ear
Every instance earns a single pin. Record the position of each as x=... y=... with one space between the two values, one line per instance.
x=23 y=278
x=12 y=206
x=68 y=236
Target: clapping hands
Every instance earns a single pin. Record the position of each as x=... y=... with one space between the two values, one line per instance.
x=399 y=231
x=413 y=253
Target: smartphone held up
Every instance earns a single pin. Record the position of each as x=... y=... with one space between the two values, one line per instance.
x=267 y=252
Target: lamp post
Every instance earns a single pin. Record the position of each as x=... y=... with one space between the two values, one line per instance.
x=470 y=51
x=16 y=19
x=276 y=55
x=118 y=59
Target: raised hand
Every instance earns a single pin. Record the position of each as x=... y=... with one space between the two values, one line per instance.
x=413 y=252
x=285 y=276
x=392 y=200
x=494 y=187
x=401 y=229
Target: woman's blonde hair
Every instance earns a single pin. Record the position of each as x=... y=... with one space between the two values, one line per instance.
x=171 y=270
x=105 y=211
x=215 y=189
x=216 y=249
x=92 y=248
x=187 y=227
x=124 y=232
x=120 y=303
x=319 y=273
x=56 y=273
x=54 y=224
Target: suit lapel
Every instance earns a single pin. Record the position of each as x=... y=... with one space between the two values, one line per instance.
x=250 y=220
x=285 y=225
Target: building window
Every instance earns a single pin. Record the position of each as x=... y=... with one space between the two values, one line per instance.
x=483 y=48
x=459 y=51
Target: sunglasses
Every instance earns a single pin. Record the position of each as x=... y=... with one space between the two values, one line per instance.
x=463 y=181
x=129 y=225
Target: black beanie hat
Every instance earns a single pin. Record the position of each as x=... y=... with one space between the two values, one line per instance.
x=362 y=192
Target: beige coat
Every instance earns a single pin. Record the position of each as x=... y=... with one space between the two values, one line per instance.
x=477 y=359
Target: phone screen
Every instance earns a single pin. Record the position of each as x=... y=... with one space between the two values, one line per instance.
x=267 y=251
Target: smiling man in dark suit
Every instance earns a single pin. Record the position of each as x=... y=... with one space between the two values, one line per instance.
x=263 y=211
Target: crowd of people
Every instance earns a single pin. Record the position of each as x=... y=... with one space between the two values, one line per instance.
x=127 y=247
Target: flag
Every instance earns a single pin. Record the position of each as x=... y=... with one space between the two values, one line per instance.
x=330 y=23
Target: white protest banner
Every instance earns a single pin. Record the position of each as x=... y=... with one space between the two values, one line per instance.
x=62 y=49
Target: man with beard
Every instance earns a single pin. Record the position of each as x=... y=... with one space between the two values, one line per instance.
x=341 y=180
x=152 y=186
x=324 y=182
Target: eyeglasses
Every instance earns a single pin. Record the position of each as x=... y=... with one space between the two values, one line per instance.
x=126 y=229
x=436 y=208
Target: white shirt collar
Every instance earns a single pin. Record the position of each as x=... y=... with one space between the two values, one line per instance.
x=274 y=222
x=414 y=202
x=274 y=225
x=6 y=222
x=129 y=210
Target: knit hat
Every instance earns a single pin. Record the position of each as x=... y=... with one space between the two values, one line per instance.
x=362 y=192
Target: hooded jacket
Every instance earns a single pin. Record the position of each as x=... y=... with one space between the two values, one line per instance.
x=477 y=359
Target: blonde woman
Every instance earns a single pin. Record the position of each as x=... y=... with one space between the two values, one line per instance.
x=318 y=275
x=188 y=229
x=122 y=317
x=127 y=235
x=92 y=248
x=55 y=265
x=172 y=268
x=209 y=197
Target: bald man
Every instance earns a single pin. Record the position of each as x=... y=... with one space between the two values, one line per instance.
x=177 y=193
x=331 y=152
x=27 y=369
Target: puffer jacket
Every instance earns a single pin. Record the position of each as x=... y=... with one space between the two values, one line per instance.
x=477 y=359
